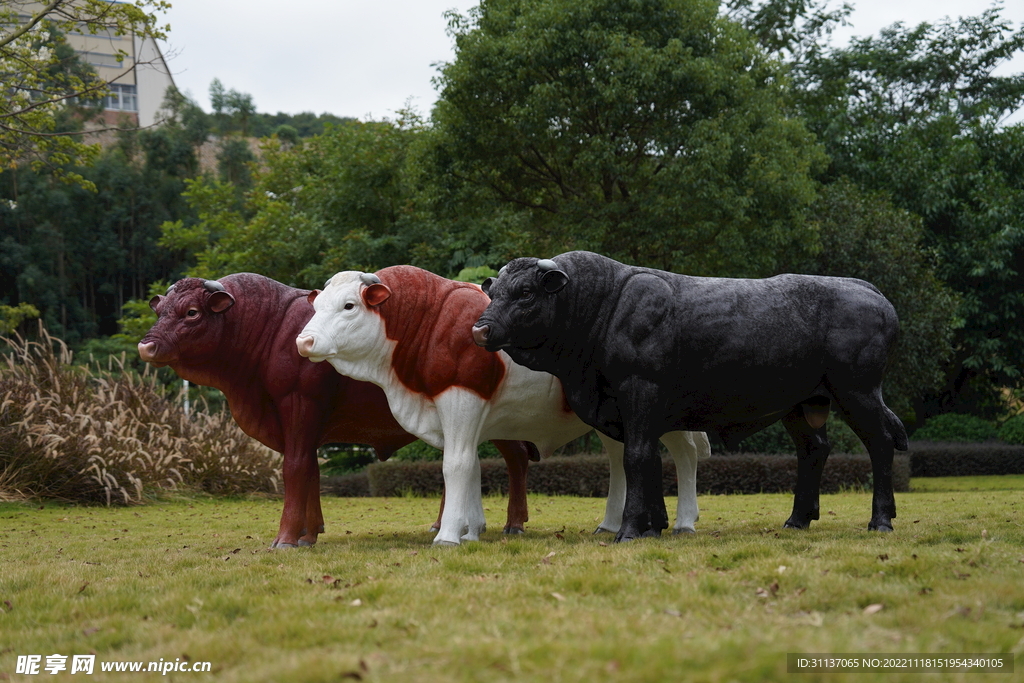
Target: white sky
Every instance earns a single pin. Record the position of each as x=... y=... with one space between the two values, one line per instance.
x=370 y=58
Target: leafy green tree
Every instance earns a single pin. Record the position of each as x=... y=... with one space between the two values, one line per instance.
x=343 y=200
x=77 y=254
x=39 y=76
x=654 y=131
x=916 y=112
x=864 y=236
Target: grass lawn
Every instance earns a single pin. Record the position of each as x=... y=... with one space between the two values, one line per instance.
x=193 y=579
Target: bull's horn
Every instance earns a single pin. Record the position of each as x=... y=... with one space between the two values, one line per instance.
x=169 y=289
x=369 y=279
x=547 y=264
x=328 y=283
x=503 y=269
x=213 y=286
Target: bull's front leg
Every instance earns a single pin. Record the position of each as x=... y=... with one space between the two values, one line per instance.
x=301 y=474
x=644 y=512
x=461 y=415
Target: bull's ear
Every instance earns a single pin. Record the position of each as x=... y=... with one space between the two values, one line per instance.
x=486 y=285
x=376 y=294
x=312 y=296
x=221 y=301
x=553 y=281
x=155 y=301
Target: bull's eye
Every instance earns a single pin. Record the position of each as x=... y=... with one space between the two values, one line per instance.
x=349 y=306
x=192 y=312
x=526 y=294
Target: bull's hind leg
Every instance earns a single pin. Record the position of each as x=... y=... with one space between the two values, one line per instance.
x=517 y=456
x=616 y=487
x=686 y=448
x=812 y=449
x=881 y=432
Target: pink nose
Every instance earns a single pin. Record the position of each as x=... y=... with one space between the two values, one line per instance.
x=480 y=335
x=304 y=343
x=147 y=352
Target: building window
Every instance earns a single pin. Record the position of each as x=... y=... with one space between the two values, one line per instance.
x=122 y=98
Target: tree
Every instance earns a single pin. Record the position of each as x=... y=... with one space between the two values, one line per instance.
x=916 y=112
x=864 y=236
x=40 y=75
x=654 y=131
x=341 y=201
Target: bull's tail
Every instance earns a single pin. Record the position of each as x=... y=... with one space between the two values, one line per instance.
x=897 y=430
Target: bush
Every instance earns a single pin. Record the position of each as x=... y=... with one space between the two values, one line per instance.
x=931 y=459
x=1012 y=431
x=86 y=435
x=587 y=475
x=956 y=427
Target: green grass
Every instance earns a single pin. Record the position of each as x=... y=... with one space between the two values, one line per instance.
x=374 y=601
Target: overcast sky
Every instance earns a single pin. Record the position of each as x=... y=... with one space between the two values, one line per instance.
x=369 y=58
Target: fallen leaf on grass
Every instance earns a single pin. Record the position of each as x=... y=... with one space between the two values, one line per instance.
x=547 y=558
x=874 y=608
x=356 y=603
x=558 y=596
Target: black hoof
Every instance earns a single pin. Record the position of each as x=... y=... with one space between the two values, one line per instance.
x=790 y=524
x=885 y=528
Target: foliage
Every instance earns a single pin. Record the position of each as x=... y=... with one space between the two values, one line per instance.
x=78 y=255
x=1012 y=431
x=916 y=112
x=653 y=131
x=341 y=201
x=13 y=316
x=864 y=236
x=775 y=439
x=955 y=427
x=94 y=436
x=475 y=275
x=39 y=74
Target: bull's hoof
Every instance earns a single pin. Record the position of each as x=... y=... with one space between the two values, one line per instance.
x=603 y=530
x=279 y=545
x=624 y=536
x=303 y=543
x=513 y=530
x=683 y=531
x=445 y=544
x=434 y=529
x=790 y=524
x=881 y=526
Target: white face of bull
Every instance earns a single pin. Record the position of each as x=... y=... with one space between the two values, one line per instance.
x=344 y=330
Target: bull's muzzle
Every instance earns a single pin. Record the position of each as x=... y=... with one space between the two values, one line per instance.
x=305 y=344
x=480 y=335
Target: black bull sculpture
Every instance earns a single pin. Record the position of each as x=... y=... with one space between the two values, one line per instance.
x=642 y=352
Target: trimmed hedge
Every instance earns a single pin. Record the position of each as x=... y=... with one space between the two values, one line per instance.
x=955 y=459
x=587 y=475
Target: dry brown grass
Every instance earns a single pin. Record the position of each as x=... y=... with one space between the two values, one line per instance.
x=110 y=436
